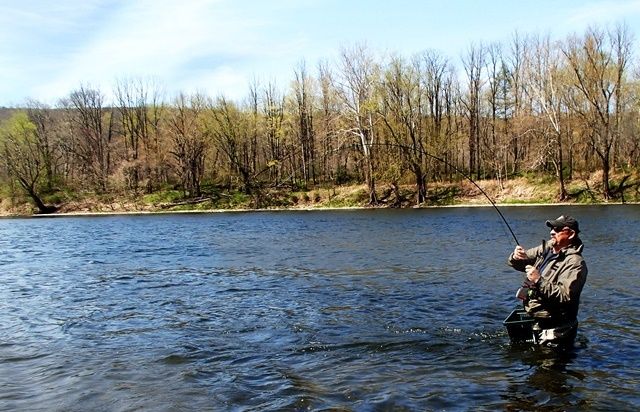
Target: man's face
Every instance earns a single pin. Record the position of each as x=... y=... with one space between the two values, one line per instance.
x=561 y=236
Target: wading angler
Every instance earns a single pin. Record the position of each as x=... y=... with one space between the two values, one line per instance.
x=556 y=273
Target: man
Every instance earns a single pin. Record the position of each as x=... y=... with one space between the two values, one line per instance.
x=556 y=273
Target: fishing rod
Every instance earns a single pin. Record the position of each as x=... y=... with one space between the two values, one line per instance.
x=463 y=174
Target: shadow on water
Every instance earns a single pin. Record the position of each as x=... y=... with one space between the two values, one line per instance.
x=544 y=378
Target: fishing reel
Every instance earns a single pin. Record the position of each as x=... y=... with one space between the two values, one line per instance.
x=527 y=291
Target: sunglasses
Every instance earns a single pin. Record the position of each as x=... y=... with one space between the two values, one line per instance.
x=559 y=229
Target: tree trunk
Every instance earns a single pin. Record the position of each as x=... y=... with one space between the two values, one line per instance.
x=42 y=207
x=606 y=188
x=421 y=185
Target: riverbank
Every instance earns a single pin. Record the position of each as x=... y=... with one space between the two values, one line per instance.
x=521 y=191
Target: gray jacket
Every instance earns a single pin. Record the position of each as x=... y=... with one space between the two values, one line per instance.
x=555 y=298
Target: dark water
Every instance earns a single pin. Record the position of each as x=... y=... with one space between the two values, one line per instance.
x=349 y=310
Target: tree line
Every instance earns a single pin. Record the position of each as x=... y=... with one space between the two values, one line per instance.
x=563 y=108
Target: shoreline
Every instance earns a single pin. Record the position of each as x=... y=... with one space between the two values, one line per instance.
x=516 y=192
x=304 y=209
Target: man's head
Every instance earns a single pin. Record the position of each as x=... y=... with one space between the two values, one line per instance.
x=564 y=231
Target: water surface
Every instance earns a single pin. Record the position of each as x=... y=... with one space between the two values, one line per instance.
x=340 y=310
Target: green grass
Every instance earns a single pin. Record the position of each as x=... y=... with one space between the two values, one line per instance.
x=524 y=201
x=162 y=196
x=357 y=198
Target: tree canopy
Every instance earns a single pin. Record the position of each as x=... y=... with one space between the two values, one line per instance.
x=562 y=108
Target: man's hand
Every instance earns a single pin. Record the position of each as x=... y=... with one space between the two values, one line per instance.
x=519 y=253
x=532 y=273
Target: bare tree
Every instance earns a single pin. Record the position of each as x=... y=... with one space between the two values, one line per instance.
x=631 y=148
x=355 y=87
x=622 y=42
x=304 y=115
x=438 y=83
x=401 y=113
x=230 y=133
x=189 y=137
x=599 y=62
x=473 y=63
x=515 y=67
x=140 y=109
x=494 y=71
x=251 y=143
x=546 y=86
x=92 y=133
x=273 y=118
x=333 y=161
x=42 y=118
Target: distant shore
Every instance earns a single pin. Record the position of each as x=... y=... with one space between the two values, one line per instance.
x=517 y=192
x=304 y=209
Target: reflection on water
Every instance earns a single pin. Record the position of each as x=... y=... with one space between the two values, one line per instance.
x=370 y=310
x=550 y=379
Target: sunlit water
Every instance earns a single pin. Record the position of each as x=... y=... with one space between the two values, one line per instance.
x=348 y=310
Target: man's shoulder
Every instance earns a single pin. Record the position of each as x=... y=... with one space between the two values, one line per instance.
x=574 y=256
x=575 y=250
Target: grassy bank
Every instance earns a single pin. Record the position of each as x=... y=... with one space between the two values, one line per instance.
x=530 y=189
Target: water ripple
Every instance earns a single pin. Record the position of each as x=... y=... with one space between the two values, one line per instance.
x=312 y=311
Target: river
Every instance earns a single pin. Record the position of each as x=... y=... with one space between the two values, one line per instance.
x=360 y=310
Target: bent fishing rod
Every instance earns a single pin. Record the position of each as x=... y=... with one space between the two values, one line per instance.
x=463 y=174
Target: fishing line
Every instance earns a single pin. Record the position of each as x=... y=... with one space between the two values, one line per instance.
x=463 y=174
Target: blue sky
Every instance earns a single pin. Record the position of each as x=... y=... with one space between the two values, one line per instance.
x=49 y=48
